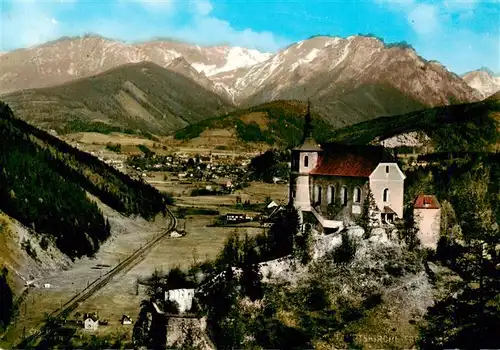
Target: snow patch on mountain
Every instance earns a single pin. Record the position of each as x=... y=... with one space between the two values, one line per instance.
x=236 y=57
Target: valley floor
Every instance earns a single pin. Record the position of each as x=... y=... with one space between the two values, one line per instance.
x=121 y=296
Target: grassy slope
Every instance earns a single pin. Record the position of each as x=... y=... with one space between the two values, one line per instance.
x=136 y=98
x=464 y=127
x=279 y=123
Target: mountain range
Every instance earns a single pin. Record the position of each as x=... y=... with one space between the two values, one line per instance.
x=348 y=80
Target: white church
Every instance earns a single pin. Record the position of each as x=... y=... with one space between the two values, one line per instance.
x=331 y=181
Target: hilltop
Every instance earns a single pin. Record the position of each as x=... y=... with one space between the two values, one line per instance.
x=141 y=98
x=463 y=127
x=277 y=123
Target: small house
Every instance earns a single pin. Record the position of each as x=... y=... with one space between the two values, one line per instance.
x=90 y=322
x=125 y=320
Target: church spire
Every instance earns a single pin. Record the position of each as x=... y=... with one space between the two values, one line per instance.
x=307 y=143
x=307 y=122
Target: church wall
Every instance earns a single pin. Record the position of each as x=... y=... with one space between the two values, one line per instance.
x=300 y=188
x=336 y=211
x=394 y=181
x=429 y=224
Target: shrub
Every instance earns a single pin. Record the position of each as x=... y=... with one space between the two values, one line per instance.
x=345 y=253
x=114 y=147
x=26 y=245
x=44 y=243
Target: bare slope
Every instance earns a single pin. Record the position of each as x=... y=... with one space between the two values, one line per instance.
x=135 y=98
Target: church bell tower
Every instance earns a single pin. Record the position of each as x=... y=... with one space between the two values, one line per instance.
x=304 y=159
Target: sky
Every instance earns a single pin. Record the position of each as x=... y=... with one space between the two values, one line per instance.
x=462 y=34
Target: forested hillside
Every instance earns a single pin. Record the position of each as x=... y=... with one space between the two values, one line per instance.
x=43 y=185
x=277 y=123
x=464 y=127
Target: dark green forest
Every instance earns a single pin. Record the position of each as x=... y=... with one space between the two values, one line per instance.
x=464 y=127
x=43 y=184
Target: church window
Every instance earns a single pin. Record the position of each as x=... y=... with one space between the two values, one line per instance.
x=306 y=161
x=317 y=194
x=331 y=194
x=387 y=169
x=343 y=195
x=357 y=195
x=385 y=195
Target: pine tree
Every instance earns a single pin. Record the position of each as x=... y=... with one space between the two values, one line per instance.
x=306 y=245
x=251 y=276
x=230 y=254
x=6 y=299
x=369 y=215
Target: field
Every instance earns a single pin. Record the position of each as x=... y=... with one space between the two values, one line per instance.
x=121 y=296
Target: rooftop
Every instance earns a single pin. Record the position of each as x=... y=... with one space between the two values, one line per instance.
x=426 y=201
x=350 y=160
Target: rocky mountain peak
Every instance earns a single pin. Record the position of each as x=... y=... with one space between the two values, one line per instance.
x=483 y=80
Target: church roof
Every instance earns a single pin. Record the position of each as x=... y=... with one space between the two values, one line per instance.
x=308 y=145
x=426 y=201
x=350 y=160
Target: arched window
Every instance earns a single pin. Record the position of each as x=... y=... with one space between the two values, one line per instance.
x=317 y=194
x=357 y=195
x=387 y=169
x=385 y=195
x=331 y=194
x=343 y=195
x=306 y=161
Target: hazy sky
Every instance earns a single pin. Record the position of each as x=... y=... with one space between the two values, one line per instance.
x=463 y=35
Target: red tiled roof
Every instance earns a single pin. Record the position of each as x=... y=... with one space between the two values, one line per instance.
x=345 y=160
x=426 y=201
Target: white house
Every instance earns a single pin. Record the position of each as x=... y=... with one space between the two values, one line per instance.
x=125 y=320
x=183 y=297
x=91 y=322
x=427 y=216
x=333 y=180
